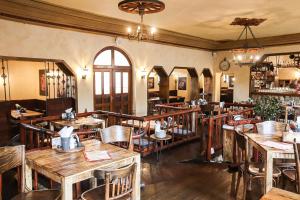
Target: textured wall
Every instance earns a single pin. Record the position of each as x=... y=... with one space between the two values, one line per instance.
x=79 y=49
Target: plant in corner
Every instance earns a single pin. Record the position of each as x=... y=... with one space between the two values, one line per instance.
x=268 y=108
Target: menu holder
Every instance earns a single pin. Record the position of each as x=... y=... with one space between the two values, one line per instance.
x=96 y=155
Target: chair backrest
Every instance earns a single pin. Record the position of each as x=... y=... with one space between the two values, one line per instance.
x=297 y=161
x=271 y=127
x=117 y=134
x=242 y=147
x=12 y=157
x=118 y=182
x=34 y=137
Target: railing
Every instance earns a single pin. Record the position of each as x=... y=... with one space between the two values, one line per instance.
x=215 y=131
x=184 y=127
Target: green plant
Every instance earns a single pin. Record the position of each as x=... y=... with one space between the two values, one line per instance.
x=268 y=108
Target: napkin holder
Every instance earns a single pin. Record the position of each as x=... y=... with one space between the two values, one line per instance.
x=290 y=137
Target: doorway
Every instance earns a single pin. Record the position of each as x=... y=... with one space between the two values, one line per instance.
x=157 y=87
x=112 y=81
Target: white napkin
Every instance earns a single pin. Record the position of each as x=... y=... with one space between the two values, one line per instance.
x=66 y=132
x=69 y=110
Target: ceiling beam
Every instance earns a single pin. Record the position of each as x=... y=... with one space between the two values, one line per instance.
x=50 y=15
x=265 y=42
x=45 y=14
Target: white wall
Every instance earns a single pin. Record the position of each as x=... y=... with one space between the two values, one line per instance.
x=78 y=49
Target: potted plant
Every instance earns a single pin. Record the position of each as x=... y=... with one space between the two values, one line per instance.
x=267 y=108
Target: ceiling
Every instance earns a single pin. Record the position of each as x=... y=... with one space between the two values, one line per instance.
x=206 y=19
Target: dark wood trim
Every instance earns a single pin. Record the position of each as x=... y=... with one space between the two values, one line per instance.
x=50 y=15
x=280 y=40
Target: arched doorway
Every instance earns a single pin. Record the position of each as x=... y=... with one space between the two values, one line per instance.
x=157 y=87
x=183 y=84
x=112 y=81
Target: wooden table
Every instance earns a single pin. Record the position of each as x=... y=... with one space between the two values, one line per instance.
x=69 y=168
x=28 y=114
x=161 y=141
x=79 y=123
x=269 y=154
x=279 y=194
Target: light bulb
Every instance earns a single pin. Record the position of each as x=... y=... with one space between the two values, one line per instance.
x=257 y=57
x=129 y=30
x=240 y=57
x=153 y=30
x=138 y=29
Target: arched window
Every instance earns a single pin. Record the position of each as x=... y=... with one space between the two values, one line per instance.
x=112 y=81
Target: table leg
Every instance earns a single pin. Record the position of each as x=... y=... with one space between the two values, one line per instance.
x=136 y=186
x=66 y=189
x=28 y=178
x=268 y=172
x=93 y=182
x=157 y=151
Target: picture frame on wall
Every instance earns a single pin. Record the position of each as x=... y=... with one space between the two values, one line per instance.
x=182 y=83
x=151 y=83
x=231 y=81
x=42 y=82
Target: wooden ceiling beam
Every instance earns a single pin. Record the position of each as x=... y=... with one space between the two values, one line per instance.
x=50 y=15
x=45 y=14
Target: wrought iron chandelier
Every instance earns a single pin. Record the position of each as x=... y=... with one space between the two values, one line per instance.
x=248 y=54
x=141 y=7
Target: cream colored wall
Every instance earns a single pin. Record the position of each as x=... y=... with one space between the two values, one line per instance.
x=242 y=74
x=23 y=80
x=288 y=73
x=79 y=49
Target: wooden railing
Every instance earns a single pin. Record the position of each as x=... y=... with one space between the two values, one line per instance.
x=184 y=129
x=215 y=131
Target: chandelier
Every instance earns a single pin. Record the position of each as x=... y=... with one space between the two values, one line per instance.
x=247 y=54
x=141 y=7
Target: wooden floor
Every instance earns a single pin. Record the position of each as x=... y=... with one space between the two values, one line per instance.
x=171 y=179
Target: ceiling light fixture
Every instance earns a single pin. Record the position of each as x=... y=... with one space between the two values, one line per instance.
x=249 y=53
x=141 y=7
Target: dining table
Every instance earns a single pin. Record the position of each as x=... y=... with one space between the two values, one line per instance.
x=72 y=167
x=24 y=115
x=259 y=141
x=79 y=123
x=279 y=194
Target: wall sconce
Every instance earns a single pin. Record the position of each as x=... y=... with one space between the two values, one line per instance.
x=143 y=73
x=84 y=72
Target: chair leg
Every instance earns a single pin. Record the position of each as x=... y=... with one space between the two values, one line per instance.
x=35 y=180
x=238 y=184
x=245 y=185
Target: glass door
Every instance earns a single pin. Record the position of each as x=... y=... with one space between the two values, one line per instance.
x=112 y=81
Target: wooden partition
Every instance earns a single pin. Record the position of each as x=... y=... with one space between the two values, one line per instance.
x=185 y=129
x=215 y=131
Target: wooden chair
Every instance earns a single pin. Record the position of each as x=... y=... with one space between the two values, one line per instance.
x=247 y=169
x=293 y=175
x=120 y=135
x=14 y=157
x=118 y=184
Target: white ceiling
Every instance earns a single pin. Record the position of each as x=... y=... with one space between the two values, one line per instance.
x=206 y=18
